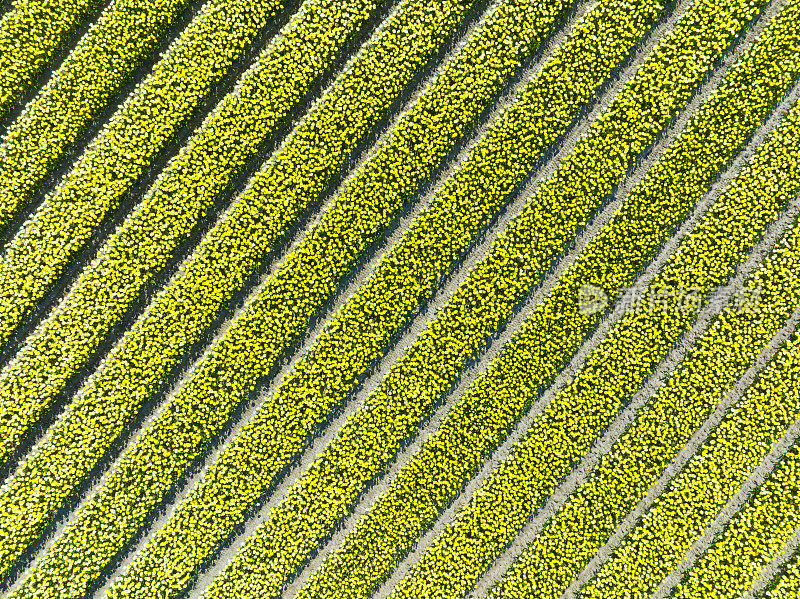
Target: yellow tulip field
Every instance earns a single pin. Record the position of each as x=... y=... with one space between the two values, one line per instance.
x=400 y=299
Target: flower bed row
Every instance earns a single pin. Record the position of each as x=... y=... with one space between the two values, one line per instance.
x=369 y=321
x=130 y=142
x=758 y=532
x=103 y=60
x=30 y=33
x=786 y=583
x=180 y=199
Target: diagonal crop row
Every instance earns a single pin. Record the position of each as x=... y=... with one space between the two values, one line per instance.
x=102 y=61
x=30 y=33
x=345 y=213
x=565 y=429
x=483 y=303
x=732 y=451
x=496 y=513
x=232 y=251
x=786 y=584
x=756 y=534
x=182 y=194
x=437 y=472
x=260 y=199
x=374 y=316
x=455 y=104
x=130 y=142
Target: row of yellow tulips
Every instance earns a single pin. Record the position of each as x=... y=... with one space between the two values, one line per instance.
x=102 y=61
x=369 y=320
x=760 y=530
x=174 y=206
x=549 y=565
x=30 y=34
x=786 y=583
